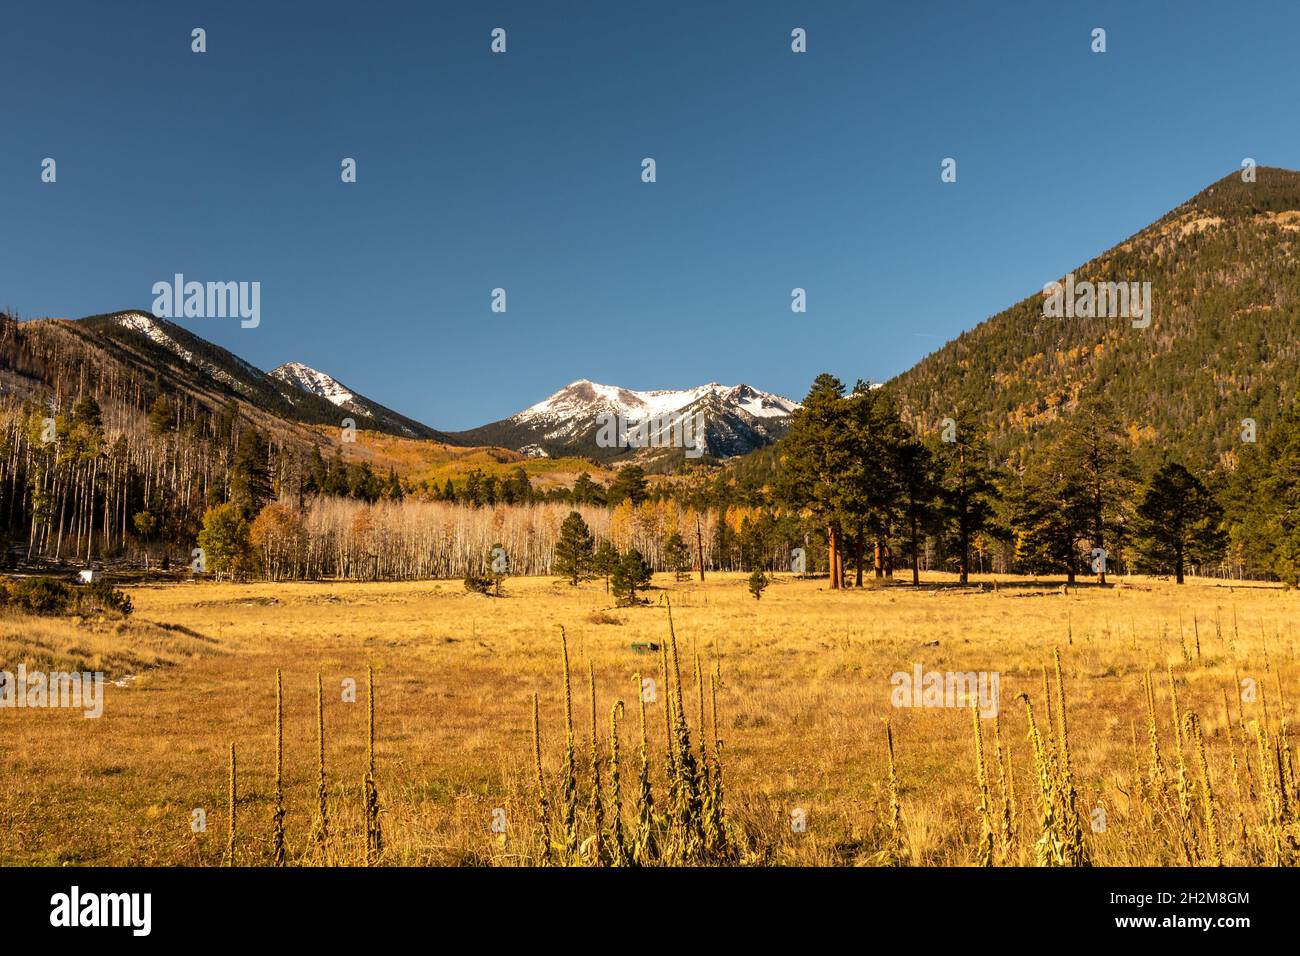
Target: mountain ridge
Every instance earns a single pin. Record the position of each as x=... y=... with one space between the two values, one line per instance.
x=736 y=419
x=1223 y=345
x=133 y=343
x=1222 y=349
x=323 y=385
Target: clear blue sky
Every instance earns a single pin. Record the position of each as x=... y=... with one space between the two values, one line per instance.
x=522 y=170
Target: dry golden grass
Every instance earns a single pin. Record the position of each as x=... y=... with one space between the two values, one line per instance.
x=803 y=696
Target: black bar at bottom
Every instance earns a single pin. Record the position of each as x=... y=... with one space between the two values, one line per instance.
x=372 y=906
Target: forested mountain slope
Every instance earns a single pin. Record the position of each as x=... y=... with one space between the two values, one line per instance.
x=1223 y=343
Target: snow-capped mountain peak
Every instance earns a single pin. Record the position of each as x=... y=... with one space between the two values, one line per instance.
x=235 y=373
x=315 y=382
x=304 y=378
x=735 y=418
x=152 y=329
x=585 y=397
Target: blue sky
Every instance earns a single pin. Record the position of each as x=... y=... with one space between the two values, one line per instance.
x=522 y=171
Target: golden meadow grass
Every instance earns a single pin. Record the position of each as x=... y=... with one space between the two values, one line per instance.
x=787 y=699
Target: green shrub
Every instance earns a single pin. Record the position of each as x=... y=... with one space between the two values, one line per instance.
x=50 y=596
x=102 y=597
x=41 y=595
x=478 y=584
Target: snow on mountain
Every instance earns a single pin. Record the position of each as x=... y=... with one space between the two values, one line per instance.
x=736 y=419
x=304 y=378
x=155 y=330
x=584 y=397
x=151 y=329
x=317 y=383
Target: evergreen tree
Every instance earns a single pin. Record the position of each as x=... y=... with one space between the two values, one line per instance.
x=86 y=412
x=677 y=558
x=161 y=417
x=1092 y=449
x=628 y=483
x=814 y=461
x=630 y=575
x=517 y=489
x=918 y=493
x=1178 y=521
x=250 y=477
x=1263 y=501
x=605 y=561
x=872 y=480
x=474 y=487
x=319 y=470
x=145 y=526
x=574 y=551
x=1049 y=516
x=393 y=489
x=224 y=426
x=723 y=545
x=586 y=491
x=362 y=483
x=966 y=493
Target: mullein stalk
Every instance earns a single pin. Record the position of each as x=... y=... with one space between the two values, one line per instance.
x=1075 y=843
x=644 y=844
x=690 y=833
x=984 y=855
x=1215 y=857
x=1284 y=742
x=543 y=837
x=1157 y=771
x=231 y=799
x=322 y=831
x=277 y=816
x=1007 y=786
x=374 y=830
x=699 y=694
x=1272 y=827
x=1048 y=741
x=1236 y=775
x=709 y=822
x=1245 y=746
x=1139 y=779
x=895 y=854
x=617 y=838
x=670 y=757
x=569 y=784
x=1049 y=850
x=725 y=844
x=1184 y=787
x=600 y=851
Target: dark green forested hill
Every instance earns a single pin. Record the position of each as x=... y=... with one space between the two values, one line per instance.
x=1223 y=344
